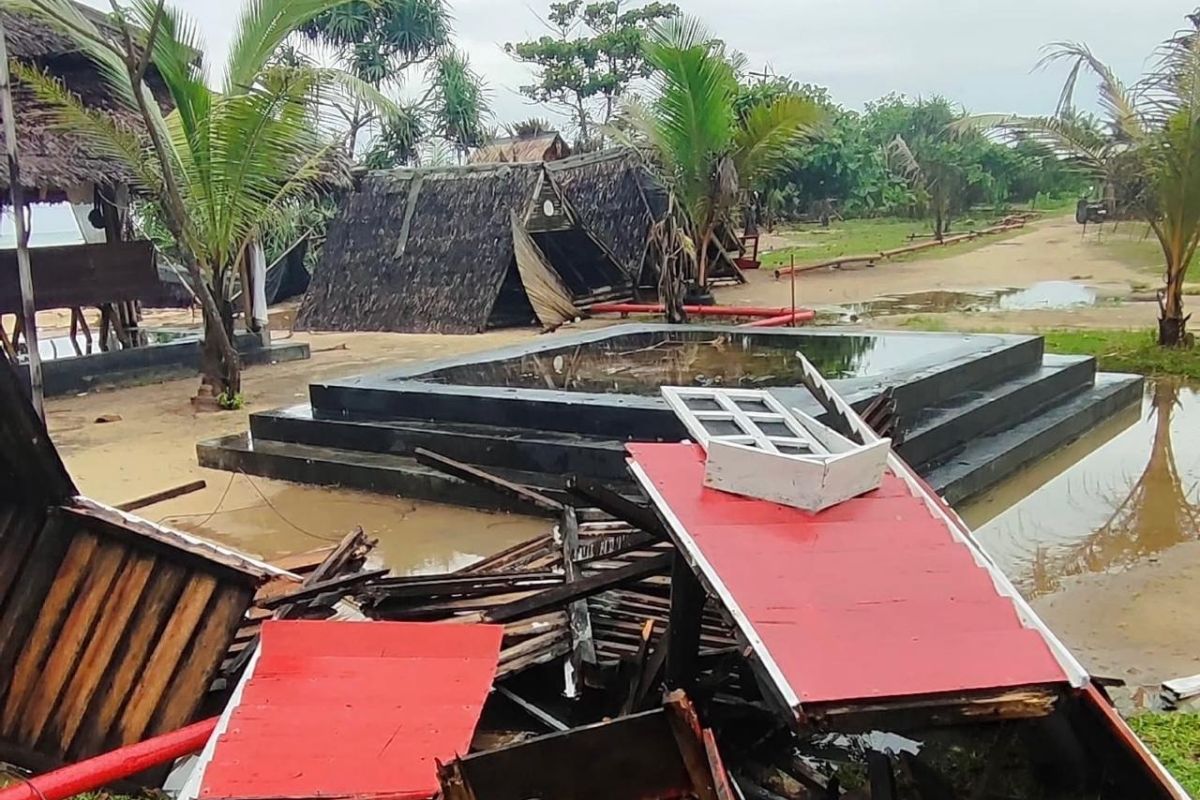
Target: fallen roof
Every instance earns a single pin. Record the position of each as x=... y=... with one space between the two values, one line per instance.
x=874 y=598
x=367 y=709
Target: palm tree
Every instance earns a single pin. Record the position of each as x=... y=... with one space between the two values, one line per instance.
x=1151 y=155
x=708 y=151
x=221 y=165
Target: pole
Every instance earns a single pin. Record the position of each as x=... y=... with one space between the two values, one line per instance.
x=17 y=196
x=793 y=277
x=117 y=765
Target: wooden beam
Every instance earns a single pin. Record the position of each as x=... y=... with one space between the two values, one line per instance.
x=165 y=494
x=581 y=589
x=473 y=474
x=311 y=591
x=639 y=516
x=16 y=194
x=686 y=620
x=583 y=651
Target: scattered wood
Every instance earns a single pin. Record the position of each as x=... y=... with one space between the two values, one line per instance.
x=162 y=496
x=639 y=516
x=473 y=474
x=1178 y=690
x=583 y=651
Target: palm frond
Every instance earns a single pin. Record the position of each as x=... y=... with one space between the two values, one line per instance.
x=766 y=135
x=1115 y=99
x=263 y=26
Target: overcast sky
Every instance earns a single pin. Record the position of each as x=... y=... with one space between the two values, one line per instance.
x=976 y=52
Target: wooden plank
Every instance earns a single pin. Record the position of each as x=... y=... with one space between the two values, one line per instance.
x=639 y=516
x=475 y=475
x=162 y=496
x=63 y=658
x=28 y=595
x=716 y=767
x=20 y=529
x=81 y=275
x=150 y=688
x=100 y=652
x=311 y=591
x=689 y=738
x=582 y=649
x=202 y=659
x=36 y=648
x=586 y=587
x=162 y=593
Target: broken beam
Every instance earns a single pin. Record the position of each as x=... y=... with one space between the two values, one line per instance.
x=471 y=474
x=639 y=516
x=581 y=589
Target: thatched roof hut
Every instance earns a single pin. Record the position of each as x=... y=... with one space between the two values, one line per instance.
x=54 y=161
x=458 y=250
x=548 y=146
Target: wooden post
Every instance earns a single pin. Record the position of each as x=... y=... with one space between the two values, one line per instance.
x=583 y=651
x=17 y=196
x=687 y=615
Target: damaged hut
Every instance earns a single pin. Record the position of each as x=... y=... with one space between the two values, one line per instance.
x=111 y=628
x=108 y=271
x=459 y=250
x=545 y=146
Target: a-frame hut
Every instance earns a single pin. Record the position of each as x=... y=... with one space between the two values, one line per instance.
x=459 y=250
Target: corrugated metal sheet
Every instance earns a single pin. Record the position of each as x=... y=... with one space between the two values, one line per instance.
x=873 y=598
x=353 y=709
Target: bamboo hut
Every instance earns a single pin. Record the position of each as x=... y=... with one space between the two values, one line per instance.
x=548 y=146
x=459 y=250
x=58 y=166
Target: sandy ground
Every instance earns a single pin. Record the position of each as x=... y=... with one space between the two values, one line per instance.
x=1115 y=622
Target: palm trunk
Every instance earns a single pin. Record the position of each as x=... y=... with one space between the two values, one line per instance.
x=1172 y=324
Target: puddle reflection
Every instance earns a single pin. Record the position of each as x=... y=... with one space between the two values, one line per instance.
x=1131 y=499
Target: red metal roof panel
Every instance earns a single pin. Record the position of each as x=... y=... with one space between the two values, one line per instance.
x=873 y=598
x=353 y=710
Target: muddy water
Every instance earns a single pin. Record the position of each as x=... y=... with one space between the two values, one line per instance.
x=1046 y=294
x=1121 y=497
x=272 y=519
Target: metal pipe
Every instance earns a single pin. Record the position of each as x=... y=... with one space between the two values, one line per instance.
x=700 y=311
x=116 y=765
x=801 y=316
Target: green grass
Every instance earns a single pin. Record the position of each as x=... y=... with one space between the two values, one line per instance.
x=1131 y=243
x=1114 y=350
x=855 y=237
x=1175 y=739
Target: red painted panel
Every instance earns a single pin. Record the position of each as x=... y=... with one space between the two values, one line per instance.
x=353 y=710
x=870 y=599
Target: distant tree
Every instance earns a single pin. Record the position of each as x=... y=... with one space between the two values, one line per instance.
x=380 y=41
x=595 y=53
x=709 y=150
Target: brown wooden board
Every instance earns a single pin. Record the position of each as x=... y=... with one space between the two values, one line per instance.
x=627 y=759
x=81 y=275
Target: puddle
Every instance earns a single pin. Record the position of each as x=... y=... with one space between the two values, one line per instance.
x=414 y=537
x=636 y=365
x=54 y=348
x=1048 y=294
x=1130 y=500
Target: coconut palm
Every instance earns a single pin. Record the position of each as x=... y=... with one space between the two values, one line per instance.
x=1151 y=157
x=708 y=151
x=222 y=164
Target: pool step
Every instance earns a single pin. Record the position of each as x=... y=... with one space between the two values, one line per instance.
x=985 y=461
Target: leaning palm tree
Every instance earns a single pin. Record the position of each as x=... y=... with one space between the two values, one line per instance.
x=1151 y=155
x=221 y=165
x=709 y=152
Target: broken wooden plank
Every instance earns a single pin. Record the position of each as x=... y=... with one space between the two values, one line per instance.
x=586 y=587
x=541 y=715
x=311 y=591
x=473 y=474
x=162 y=496
x=689 y=738
x=641 y=517
x=582 y=649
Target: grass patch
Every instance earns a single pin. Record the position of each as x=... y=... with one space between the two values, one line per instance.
x=1114 y=350
x=1175 y=739
x=811 y=244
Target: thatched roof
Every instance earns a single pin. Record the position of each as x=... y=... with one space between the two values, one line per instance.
x=548 y=146
x=53 y=160
x=456 y=250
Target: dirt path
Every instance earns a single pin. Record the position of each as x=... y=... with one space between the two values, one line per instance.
x=1050 y=250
